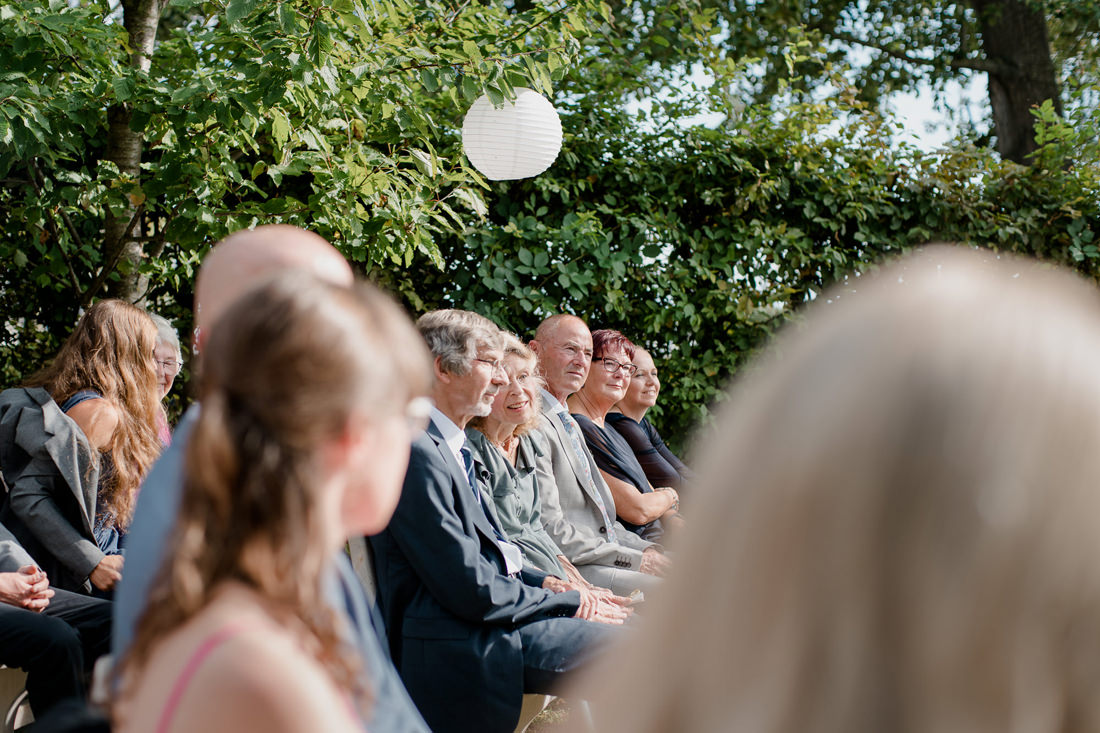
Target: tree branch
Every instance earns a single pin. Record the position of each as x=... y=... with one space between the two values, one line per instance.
x=109 y=267
x=984 y=65
x=36 y=182
x=456 y=12
x=451 y=64
x=533 y=26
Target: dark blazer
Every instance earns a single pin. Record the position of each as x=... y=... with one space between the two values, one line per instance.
x=52 y=481
x=452 y=614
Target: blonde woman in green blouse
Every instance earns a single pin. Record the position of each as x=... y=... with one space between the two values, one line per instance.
x=506 y=447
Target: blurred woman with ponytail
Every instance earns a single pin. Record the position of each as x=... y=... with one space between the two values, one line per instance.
x=303 y=437
x=76 y=441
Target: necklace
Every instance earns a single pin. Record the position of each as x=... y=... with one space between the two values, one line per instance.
x=508 y=447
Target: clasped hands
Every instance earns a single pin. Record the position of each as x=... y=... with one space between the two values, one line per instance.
x=27 y=588
x=597 y=604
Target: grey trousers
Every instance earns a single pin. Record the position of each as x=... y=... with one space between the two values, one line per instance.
x=621 y=581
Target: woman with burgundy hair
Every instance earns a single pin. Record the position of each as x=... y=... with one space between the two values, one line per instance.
x=639 y=505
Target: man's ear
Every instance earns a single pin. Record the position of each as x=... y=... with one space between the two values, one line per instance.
x=534 y=346
x=441 y=374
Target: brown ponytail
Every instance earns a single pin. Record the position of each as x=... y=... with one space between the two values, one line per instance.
x=283 y=371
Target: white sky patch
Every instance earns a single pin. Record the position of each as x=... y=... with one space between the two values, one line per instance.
x=929 y=126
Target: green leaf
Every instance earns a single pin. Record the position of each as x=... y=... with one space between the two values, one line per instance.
x=288 y=18
x=472 y=51
x=280 y=127
x=124 y=88
x=429 y=80
x=470 y=89
x=239 y=9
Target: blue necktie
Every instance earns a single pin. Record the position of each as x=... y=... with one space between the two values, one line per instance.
x=468 y=462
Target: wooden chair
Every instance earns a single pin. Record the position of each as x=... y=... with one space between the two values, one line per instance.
x=13 y=699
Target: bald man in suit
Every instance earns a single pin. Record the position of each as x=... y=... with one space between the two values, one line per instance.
x=577 y=507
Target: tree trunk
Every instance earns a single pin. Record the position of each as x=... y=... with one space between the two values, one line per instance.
x=1014 y=37
x=124 y=147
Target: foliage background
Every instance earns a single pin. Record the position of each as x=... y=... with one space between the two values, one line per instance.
x=698 y=241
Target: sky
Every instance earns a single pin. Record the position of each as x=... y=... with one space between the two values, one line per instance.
x=924 y=125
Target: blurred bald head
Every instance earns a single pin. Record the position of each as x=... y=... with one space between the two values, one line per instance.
x=246 y=258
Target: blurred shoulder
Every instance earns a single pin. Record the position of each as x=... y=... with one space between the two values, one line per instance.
x=260 y=678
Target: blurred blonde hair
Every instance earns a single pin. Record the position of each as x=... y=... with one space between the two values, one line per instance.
x=899 y=521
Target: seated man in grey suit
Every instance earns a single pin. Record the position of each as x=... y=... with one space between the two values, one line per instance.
x=577 y=507
x=228 y=272
x=471 y=629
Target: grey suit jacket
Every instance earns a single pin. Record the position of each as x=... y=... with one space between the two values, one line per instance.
x=12 y=554
x=569 y=511
x=52 y=481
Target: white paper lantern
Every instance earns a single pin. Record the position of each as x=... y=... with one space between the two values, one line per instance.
x=519 y=140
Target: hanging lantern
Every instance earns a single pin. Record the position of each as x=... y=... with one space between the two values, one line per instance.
x=518 y=140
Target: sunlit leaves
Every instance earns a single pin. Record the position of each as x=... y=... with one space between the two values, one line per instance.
x=340 y=116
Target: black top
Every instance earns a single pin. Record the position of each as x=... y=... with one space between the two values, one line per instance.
x=661 y=466
x=613 y=454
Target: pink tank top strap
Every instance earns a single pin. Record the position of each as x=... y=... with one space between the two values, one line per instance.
x=211 y=643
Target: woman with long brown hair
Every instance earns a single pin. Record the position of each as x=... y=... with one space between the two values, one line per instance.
x=68 y=504
x=303 y=436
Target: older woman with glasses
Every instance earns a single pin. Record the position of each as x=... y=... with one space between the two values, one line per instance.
x=505 y=443
x=169 y=361
x=638 y=504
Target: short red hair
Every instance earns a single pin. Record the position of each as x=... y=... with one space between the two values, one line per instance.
x=607 y=339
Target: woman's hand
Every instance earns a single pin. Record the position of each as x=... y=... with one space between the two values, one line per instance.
x=107 y=573
x=653 y=562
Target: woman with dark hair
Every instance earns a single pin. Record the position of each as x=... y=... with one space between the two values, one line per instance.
x=72 y=491
x=308 y=393
x=638 y=504
x=662 y=467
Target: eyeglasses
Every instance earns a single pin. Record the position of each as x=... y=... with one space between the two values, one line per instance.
x=417 y=414
x=611 y=366
x=494 y=364
x=171 y=366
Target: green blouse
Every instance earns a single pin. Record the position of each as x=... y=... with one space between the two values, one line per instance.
x=515 y=498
